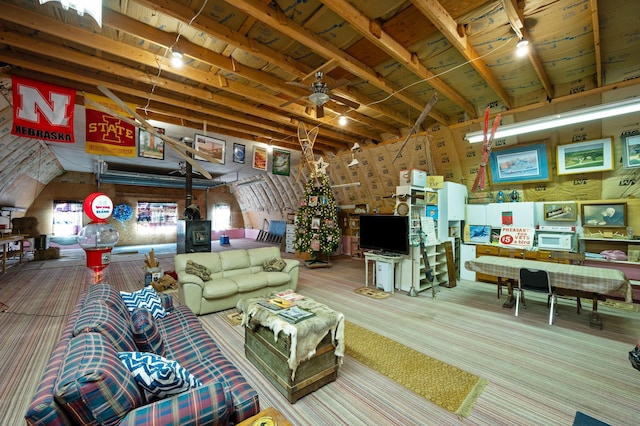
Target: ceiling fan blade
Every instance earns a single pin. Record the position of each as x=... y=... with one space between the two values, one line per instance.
x=346 y=101
x=319 y=111
x=295 y=83
x=292 y=101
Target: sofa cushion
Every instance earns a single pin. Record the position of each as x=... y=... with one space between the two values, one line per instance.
x=93 y=386
x=145 y=332
x=250 y=282
x=146 y=298
x=274 y=265
x=109 y=295
x=275 y=279
x=234 y=259
x=198 y=270
x=219 y=288
x=157 y=375
x=97 y=317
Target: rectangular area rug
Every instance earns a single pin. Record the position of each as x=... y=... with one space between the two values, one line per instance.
x=445 y=385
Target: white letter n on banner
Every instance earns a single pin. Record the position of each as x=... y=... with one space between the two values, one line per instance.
x=54 y=109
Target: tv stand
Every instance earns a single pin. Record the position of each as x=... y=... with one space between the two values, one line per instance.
x=390 y=258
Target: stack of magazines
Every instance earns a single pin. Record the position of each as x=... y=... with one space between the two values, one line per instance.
x=294 y=314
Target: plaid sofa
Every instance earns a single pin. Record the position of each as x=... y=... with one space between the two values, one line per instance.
x=100 y=326
x=235 y=275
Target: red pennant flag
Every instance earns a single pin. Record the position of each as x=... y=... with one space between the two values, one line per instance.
x=42 y=111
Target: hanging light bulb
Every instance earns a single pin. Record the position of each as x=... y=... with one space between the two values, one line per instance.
x=176 y=59
x=522 y=48
x=342 y=120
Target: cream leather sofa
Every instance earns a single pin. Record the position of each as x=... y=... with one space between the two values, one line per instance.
x=235 y=275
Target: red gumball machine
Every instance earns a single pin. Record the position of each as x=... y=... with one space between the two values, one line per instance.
x=98 y=237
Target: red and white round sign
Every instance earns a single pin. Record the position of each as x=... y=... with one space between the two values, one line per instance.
x=98 y=206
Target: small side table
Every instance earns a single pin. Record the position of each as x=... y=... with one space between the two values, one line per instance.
x=263 y=418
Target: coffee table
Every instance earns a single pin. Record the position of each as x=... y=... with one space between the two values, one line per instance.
x=296 y=358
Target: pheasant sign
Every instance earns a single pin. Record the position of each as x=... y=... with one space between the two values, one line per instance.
x=42 y=111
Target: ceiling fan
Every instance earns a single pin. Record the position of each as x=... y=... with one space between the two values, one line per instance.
x=182 y=169
x=321 y=94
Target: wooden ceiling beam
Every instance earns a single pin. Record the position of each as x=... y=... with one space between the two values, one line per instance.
x=437 y=14
x=281 y=23
x=388 y=44
x=595 y=23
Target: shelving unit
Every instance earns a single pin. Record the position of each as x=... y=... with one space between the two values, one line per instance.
x=598 y=245
x=353 y=233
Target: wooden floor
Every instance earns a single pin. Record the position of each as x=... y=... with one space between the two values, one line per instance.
x=538 y=374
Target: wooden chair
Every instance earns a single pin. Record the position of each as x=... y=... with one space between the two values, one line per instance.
x=569 y=259
x=535 y=280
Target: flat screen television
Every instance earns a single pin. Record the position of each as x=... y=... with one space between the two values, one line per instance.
x=384 y=232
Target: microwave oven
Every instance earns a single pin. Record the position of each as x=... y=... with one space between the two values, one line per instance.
x=555 y=241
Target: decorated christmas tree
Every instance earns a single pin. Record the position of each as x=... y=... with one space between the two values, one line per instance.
x=317 y=230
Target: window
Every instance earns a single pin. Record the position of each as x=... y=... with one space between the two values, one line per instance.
x=67 y=218
x=221 y=217
x=155 y=215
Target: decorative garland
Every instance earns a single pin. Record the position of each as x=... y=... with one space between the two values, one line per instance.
x=122 y=212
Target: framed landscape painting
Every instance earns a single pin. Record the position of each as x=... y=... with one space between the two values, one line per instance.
x=631 y=151
x=585 y=157
x=519 y=164
x=149 y=145
x=214 y=148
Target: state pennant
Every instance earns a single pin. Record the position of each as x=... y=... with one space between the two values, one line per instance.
x=106 y=134
x=42 y=111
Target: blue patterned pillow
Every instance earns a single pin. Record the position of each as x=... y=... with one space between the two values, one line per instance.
x=159 y=376
x=146 y=298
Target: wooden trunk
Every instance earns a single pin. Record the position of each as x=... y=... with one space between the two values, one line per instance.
x=271 y=359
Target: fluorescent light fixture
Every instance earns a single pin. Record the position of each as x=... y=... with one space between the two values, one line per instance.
x=160 y=181
x=251 y=182
x=345 y=185
x=560 y=120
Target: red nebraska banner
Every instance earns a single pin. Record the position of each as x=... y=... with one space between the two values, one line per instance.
x=42 y=111
x=106 y=134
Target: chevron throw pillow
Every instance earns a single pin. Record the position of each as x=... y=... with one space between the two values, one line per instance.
x=157 y=375
x=146 y=298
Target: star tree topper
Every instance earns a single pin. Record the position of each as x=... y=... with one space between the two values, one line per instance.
x=321 y=166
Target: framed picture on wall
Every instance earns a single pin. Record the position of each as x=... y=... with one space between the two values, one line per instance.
x=519 y=164
x=585 y=157
x=238 y=153
x=604 y=215
x=150 y=145
x=631 y=151
x=561 y=211
x=280 y=162
x=212 y=147
x=259 y=158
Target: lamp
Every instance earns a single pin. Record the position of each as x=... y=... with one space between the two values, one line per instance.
x=92 y=8
x=522 y=48
x=560 y=120
x=319 y=98
x=176 y=59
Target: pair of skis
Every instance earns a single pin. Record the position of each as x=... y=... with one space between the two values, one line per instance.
x=478 y=184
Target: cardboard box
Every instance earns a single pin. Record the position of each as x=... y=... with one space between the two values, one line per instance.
x=152 y=275
x=435 y=182
x=413 y=177
x=431 y=198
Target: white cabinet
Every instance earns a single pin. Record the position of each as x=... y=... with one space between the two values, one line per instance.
x=467 y=252
x=522 y=214
x=452 y=199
